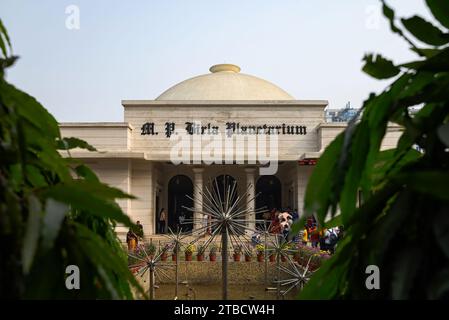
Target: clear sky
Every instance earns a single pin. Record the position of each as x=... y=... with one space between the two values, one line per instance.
x=138 y=49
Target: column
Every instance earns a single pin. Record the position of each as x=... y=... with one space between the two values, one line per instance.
x=302 y=178
x=197 y=196
x=251 y=201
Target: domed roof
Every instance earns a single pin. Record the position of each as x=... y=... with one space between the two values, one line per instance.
x=225 y=82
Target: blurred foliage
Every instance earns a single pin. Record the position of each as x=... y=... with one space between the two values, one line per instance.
x=402 y=225
x=54 y=211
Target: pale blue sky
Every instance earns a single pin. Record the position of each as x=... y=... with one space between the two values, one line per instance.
x=137 y=49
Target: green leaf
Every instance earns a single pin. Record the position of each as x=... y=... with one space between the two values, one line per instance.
x=320 y=185
x=437 y=63
x=31 y=238
x=425 y=31
x=440 y=10
x=35 y=177
x=434 y=183
x=334 y=222
x=86 y=173
x=68 y=143
x=325 y=282
x=379 y=67
x=95 y=198
x=426 y=52
x=112 y=268
x=31 y=110
x=359 y=150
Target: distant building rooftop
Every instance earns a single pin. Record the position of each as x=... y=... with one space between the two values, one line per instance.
x=341 y=115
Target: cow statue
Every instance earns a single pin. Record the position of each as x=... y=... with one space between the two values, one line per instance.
x=285 y=222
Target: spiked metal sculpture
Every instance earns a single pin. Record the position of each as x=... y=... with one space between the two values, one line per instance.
x=225 y=211
x=176 y=241
x=297 y=276
x=151 y=264
x=280 y=247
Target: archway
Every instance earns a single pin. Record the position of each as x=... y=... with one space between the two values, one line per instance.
x=269 y=190
x=180 y=188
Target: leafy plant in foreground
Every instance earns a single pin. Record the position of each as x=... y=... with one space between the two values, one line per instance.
x=54 y=211
x=402 y=225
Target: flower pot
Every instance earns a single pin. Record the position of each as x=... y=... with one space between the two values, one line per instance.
x=200 y=257
x=247 y=258
x=188 y=257
x=272 y=257
x=164 y=257
x=173 y=257
x=260 y=257
x=236 y=257
x=212 y=257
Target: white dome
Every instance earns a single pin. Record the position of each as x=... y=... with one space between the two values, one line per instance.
x=225 y=83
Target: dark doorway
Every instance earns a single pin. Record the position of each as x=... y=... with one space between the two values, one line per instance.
x=226 y=187
x=223 y=183
x=180 y=188
x=269 y=192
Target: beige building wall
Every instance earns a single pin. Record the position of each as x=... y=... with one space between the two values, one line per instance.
x=140 y=164
x=309 y=114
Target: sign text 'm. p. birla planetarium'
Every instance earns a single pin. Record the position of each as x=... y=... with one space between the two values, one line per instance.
x=231 y=128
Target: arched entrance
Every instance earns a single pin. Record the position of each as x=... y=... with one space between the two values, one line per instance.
x=180 y=188
x=269 y=190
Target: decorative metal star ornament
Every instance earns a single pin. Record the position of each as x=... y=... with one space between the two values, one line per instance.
x=225 y=212
x=155 y=267
x=297 y=276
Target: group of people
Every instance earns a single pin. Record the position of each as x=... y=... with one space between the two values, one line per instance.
x=162 y=221
x=325 y=239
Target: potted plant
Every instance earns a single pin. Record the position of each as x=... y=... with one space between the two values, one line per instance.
x=164 y=252
x=260 y=249
x=189 y=251
x=174 y=253
x=150 y=249
x=286 y=248
x=248 y=254
x=237 y=252
x=296 y=255
x=213 y=253
x=200 y=254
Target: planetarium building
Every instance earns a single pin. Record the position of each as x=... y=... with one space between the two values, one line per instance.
x=223 y=125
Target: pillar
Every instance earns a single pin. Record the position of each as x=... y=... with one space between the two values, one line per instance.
x=251 y=204
x=198 y=196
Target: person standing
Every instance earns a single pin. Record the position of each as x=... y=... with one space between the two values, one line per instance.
x=162 y=220
x=182 y=219
x=314 y=236
x=331 y=239
x=305 y=236
x=131 y=240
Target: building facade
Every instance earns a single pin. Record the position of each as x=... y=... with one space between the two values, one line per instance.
x=221 y=125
